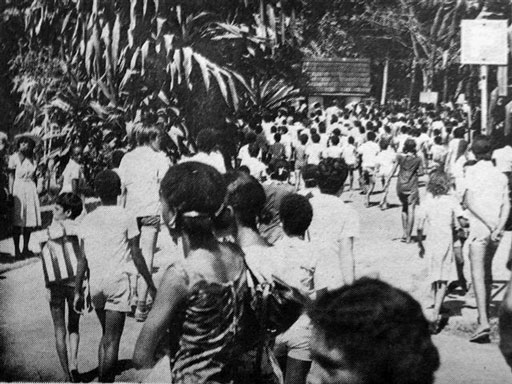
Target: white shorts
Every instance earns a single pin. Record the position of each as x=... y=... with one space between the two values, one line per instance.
x=294 y=343
x=112 y=293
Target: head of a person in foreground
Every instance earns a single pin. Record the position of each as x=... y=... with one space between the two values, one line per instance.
x=296 y=214
x=107 y=186
x=481 y=148
x=192 y=197
x=370 y=333
x=246 y=198
x=329 y=176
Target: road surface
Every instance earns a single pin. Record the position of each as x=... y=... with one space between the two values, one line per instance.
x=27 y=347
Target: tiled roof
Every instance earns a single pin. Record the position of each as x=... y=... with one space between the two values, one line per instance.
x=337 y=77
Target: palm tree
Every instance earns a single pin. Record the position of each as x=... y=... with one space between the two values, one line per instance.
x=134 y=51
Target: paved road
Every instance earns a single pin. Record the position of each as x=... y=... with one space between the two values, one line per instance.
x=27 y=351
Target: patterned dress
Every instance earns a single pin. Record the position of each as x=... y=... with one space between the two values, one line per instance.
x=213 y=333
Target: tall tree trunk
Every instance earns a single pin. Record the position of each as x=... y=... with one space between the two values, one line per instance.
x=445 y=85
x=385 y=81
x=413 y=80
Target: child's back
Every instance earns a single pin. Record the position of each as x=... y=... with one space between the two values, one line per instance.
x=440 y=213
x=106 y=232
x=277 y=150
x=349 y=154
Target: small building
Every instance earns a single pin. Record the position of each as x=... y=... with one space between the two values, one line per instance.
x=345 y=79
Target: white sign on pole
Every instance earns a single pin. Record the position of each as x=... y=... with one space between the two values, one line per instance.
x=484 y=42
x=429 y=97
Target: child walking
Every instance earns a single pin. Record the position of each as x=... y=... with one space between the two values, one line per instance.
x=68 y=207
x=443 y=213
x=407 y=187
x=300 y=158
x=110 y=240
x=349 y=155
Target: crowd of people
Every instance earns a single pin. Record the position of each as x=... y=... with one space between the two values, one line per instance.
x=274 y=212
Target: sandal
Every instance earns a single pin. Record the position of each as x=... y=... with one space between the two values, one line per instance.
x=75 y=376
x=481 y=337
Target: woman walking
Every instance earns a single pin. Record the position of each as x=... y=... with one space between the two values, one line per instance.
x=201 y=299
x=410 y=167
x=22 y=186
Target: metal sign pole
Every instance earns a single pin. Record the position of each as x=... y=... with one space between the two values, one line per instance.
x=484 y=71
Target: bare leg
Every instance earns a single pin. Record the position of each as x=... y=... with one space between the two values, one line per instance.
x=101 y=317
x=477 y=256
x=459 y=263
x=148 y=238
x=440 y=293
x=405 y=219
x=26 y=239
x=410 y=223
x=74 y=337
x=59 y=324
x=296 y=371
x=114 y=325
x=489 y=256
x=371 y=187
x=16 y=233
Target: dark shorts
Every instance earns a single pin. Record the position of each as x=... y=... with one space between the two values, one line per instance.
x=142 y=221
x=61 y=293
x=369 y=175
x=409 y=199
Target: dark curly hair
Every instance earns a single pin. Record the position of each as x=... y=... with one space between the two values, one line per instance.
x=31 y=144
x=438 y=183
x=296 y=214
x=381 y=331
x=331 y=176
x=196 y=192
x=70 y=202
x=107 y=184
x=246 y=196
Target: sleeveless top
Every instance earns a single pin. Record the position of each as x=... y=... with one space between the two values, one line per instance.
x=210 y=326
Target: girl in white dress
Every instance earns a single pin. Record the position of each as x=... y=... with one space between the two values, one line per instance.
x=442 y=211
x=22 y=186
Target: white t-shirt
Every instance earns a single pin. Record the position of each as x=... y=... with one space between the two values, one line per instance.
x=333 y=151
x=333 y=221
x=213 y=159
x=487 y=189
x=349 y=154
x=385 y=161
x=298 y=261
x=141 y=172
x=503 y=158
x=369 y=152
x=243 y=153
x=400 y=141
x=314 y=152
x=256 y=167
x=72 y=171
x=106 y=232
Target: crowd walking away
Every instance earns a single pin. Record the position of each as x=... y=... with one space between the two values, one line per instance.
x=265 y=286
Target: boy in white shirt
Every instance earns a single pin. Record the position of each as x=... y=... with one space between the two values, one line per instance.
x=314 y=150
x=73 y=174
x=141 y=171
x=368 y=152
x=334 y=150
x=349 y=155
x=110 y=240
x=384 y=164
